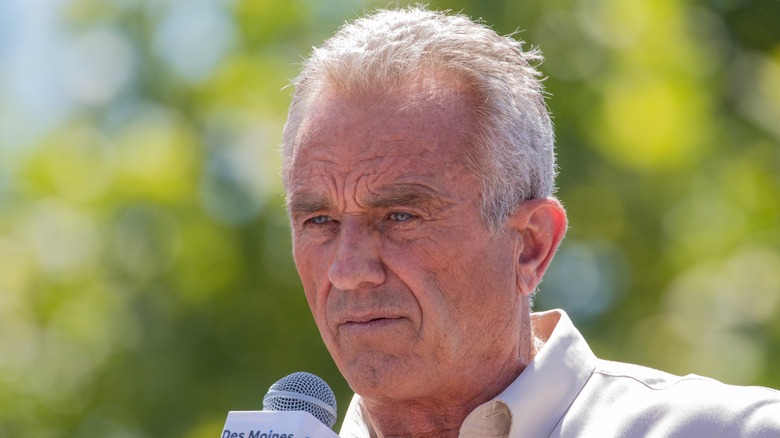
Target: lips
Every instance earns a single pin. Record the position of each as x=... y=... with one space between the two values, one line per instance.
x=368 y=321
x=375 y=309
x=365 y=318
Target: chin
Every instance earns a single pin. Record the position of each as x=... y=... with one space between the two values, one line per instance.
x=379 y=377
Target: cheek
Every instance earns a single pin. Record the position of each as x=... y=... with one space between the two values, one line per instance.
x=477 y=284
x=434 y=276
x=312 y=272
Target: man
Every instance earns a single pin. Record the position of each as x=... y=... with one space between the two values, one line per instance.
x=419 y=169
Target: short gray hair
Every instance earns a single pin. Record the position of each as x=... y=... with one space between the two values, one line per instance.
x=513 y=157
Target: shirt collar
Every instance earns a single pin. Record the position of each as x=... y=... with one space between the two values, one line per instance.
x=535 y=402
x=543 y=392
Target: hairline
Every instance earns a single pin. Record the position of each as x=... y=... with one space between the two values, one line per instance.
x=511 y=154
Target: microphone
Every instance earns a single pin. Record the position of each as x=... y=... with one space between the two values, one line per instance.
x=303 y=391
x=300 y=405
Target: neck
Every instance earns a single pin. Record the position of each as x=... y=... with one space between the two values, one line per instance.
x=415 y=419
x=441 y=415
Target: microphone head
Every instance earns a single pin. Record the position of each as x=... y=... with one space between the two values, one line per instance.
x=302 y=391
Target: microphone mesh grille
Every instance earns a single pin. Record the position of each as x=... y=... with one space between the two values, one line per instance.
x=306 y=384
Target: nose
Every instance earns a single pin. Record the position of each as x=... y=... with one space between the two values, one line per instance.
x=357 y=262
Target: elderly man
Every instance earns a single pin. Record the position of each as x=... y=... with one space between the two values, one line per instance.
x=419 y=169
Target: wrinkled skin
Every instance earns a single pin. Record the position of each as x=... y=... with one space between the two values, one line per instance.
x=423 y=308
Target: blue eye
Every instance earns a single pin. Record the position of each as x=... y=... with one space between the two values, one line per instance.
x=400 y=216
x=320 y=220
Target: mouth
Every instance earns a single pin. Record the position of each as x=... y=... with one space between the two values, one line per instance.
x=370 y=322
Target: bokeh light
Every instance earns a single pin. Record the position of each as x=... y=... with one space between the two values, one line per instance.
x=146 y=279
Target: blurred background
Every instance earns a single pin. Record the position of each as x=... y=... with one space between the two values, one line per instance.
x=146 y=281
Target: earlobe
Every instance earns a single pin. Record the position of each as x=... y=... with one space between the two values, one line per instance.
x=541 y=224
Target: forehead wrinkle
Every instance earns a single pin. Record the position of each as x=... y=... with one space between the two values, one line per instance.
x=326 y=190
x=311 y=193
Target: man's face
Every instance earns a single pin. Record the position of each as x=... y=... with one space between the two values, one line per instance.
x=411 y=292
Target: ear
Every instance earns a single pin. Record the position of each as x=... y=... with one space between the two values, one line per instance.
x=541 y=224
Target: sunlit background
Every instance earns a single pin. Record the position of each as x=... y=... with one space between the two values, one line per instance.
x=146 y=282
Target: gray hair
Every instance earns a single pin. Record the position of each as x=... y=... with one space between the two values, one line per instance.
x=513 y=157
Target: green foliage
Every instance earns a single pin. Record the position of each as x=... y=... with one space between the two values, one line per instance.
x=146 y=280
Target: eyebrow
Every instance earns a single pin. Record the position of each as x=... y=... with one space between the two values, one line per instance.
x=403 y=195
x=306 y=203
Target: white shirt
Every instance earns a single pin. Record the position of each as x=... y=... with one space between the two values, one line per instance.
x=567 y=392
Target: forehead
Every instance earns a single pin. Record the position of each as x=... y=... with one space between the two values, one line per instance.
x=426 y=121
